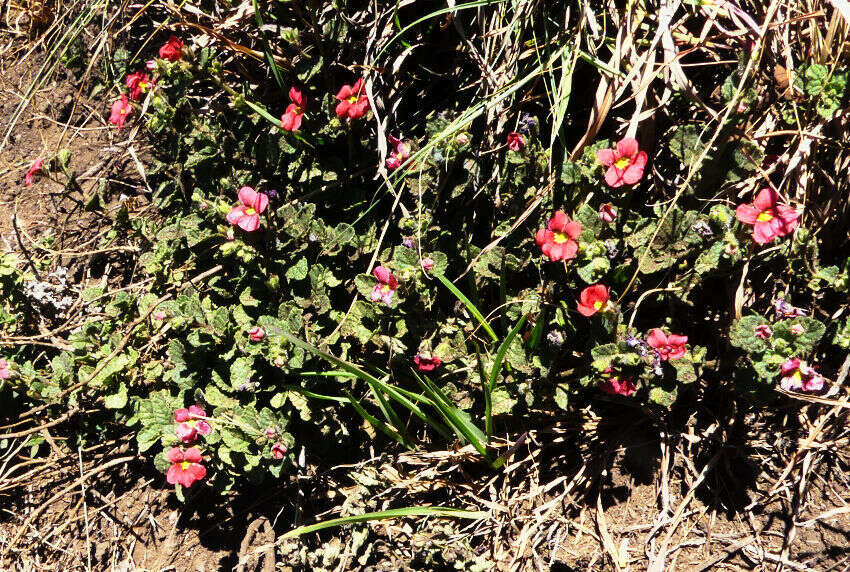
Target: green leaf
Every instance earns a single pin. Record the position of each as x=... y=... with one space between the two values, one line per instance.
x=298 y=271
x=469 y=306
x=438 y=511
x=118 y=399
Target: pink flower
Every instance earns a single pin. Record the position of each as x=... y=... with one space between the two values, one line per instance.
x=159 y=315
x=386 y=286
x=191 y=423
x=34 y=170
x=462 y=139
x=247 y=214
x=4 y=369
x=138 y=83
x=797 y=329
x=798 y=376
x=279 y=451
x=172 y=50
x=515 y=141
x=399 y=154
x=256 y=334
x=271 y=433
x=151 y=65
x=291 y=119
x=607 y=213
x=353 y=102
x=769 y=219
x=185 y=467
x=625 y=163
x=615 y=385
x=428 y=264
x=427 y=363
x=594 y=299
x=279 y=361
x=668 y=347
x=558 y=239
x=764 y=332
x=121 y=110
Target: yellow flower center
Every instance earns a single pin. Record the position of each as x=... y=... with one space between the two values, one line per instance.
x=123 y=110
x=597 y=305
x=797 y=376
x=185 y=465
x=560 y=238
x=250 y=211
x=764 y=217
x=353 y=99
x=622 y=163
x=386 y=288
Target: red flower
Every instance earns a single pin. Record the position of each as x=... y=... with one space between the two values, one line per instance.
x=172 y=50
x=399 y=154
x=769 y=218
x=353 y=102
x=386 y=287
x=279 y=451
x=426 y=363
x=138 y=83
x=615 y=385
x=291 y=119
x=185 y=466
x=247 y=214
x=763 y=331
x=515 y=141
x=256 y=334
x=668 y=347
x=798 y=376
x=558 y=239
x=191 y=423
x=625 y=163
x=34 y=170
x=594 y=299
x=4 y=369
x=121 y=109
x=607 y=213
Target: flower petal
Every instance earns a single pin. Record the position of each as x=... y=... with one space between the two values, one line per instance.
x=763 y=232
x=656 y=339
x=614 y=177
x=192 y=455
x=606 y=157
x=747 y=214
x=573 y=229
x=766 y=199
x=558 y=221
x=249 y=223
x=627 y=147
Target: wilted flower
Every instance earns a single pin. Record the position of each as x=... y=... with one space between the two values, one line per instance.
x=353 y=102
x=399 y=154
x=799 y=376
x=638 y=345
x=121 y=110
x=625 y=163
x=558 y=239
x=159 y=315
x=785 y=310
x=270 y=432
x=186 y=468
x=386 y=286
x=515 y=141
x=279 y=451
x=4 y=369
x=594 y=299
x=34 y=170
x=172 y=50
x=797 y=329
x=191 y=423
x=703 y=229
x=151 y=65
x=138 y=83
x=291 y=118
x=768 y=218
x=256 y=334
x=427 y=264
x=556 y=338
x=763 y=331
x=279 y=361
x=668 y=347
x=462 y=139
x=607 y=213
x=616 y=385
x=247 y=214
x=427 y=363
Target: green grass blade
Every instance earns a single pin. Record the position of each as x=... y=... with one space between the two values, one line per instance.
x=503 y=349
x=267 y=49
x=469 y=306
x=377 y=423
x=488 y=398
x=442 y=511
